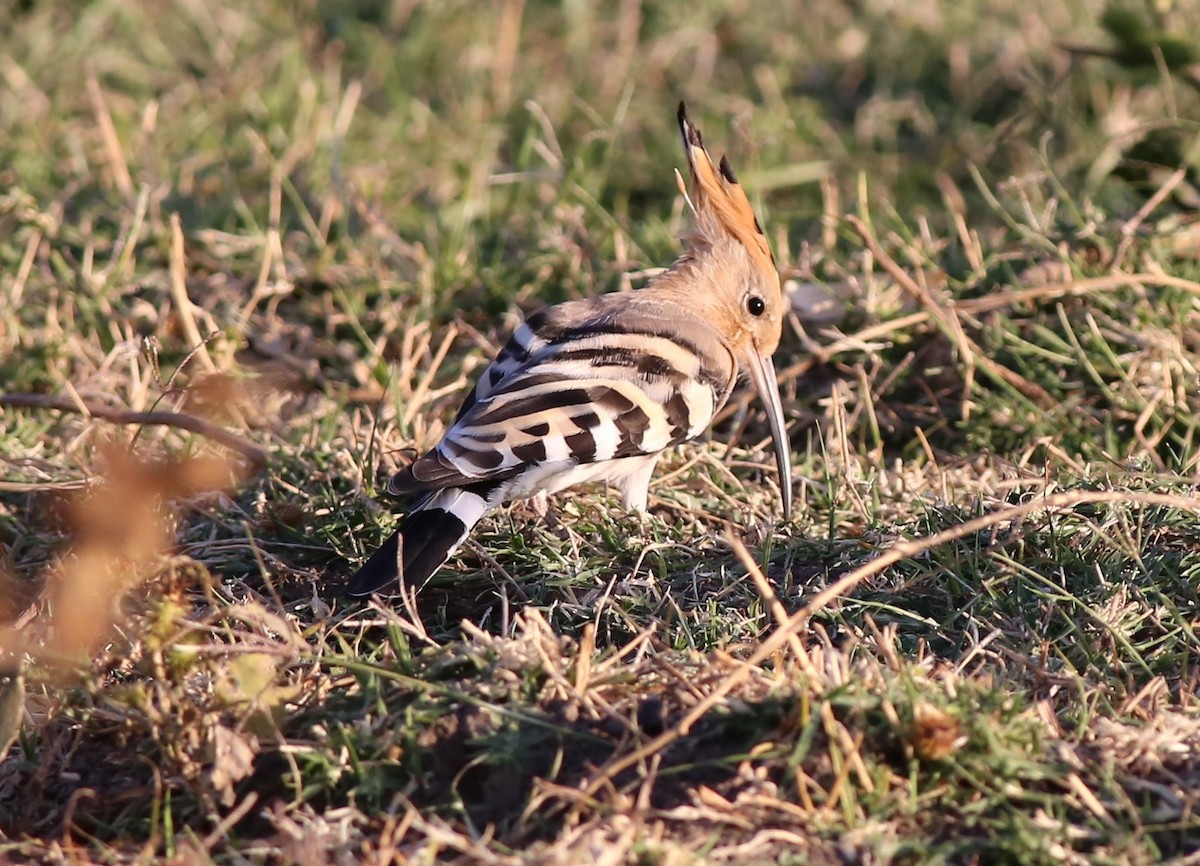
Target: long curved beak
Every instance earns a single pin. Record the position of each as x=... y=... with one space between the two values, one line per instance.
x=762 y=372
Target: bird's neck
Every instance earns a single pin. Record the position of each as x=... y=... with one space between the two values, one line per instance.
x=693 y=286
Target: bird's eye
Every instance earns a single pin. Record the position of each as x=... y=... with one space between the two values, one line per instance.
x=755 y=305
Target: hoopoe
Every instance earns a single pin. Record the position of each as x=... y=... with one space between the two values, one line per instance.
x=597 y=389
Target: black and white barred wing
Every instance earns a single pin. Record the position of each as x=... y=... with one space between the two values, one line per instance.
x=562 y=396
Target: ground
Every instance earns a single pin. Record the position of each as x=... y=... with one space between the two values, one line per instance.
x=294 y=233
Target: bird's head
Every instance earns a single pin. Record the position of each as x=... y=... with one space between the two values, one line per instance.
x=735 y=279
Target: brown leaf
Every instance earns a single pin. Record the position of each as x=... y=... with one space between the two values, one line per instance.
x=233 y=760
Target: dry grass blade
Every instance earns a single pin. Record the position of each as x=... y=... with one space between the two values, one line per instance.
x=768 y=594
x=108 y=133
x=183 y=304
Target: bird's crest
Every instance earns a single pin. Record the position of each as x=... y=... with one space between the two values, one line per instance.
x=718 y=200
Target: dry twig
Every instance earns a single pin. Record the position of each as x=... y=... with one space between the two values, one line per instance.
x=256 y=454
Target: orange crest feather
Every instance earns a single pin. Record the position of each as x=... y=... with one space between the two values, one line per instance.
x=717 y=196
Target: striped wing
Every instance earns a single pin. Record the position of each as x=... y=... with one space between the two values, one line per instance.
x=580 y=383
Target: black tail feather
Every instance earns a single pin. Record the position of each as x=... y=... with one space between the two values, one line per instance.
x=415 y=551
x=382 y=569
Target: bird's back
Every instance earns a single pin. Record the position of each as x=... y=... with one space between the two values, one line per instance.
x=584 y=382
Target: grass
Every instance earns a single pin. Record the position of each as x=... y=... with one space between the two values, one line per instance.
x=297 y=234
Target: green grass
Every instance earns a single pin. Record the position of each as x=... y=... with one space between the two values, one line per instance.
x=988 y=213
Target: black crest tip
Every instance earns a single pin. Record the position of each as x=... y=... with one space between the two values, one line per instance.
x=691 y=135
x=727 y=170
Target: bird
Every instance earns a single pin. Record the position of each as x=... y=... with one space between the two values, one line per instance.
x=596 y=389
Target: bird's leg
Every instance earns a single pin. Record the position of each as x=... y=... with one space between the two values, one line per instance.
x=635 y=487
x=540 y=503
